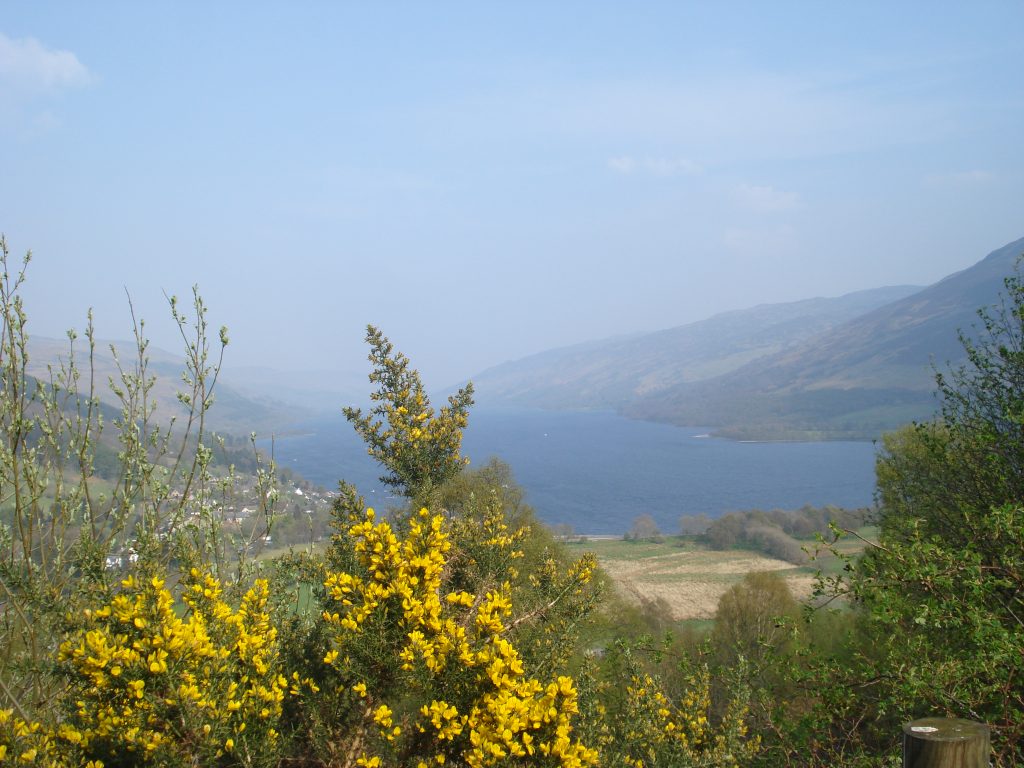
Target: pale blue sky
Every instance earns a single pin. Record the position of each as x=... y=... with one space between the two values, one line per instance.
x=485 y=181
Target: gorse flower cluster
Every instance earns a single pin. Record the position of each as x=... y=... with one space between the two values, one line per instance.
x=24 y=742
x=635 y=722
x=408 y=572
x=147 y=685
x=147 y=682
x=453 y=642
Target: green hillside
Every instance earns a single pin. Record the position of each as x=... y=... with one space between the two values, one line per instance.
x=856 y=380
x=845 y=368
x=237 y=413
x=616 y=372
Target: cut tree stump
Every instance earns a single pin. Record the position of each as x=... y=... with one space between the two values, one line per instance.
x=942 y=742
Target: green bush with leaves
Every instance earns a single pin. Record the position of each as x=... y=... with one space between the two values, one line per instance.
x=937 y=621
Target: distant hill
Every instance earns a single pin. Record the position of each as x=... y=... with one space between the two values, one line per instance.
x=849 y=367
x=314 y=391
x=860 y=378
x=234 y=412
x=617 y=372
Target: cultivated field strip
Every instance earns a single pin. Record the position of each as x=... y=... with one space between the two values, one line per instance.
x=690 y=582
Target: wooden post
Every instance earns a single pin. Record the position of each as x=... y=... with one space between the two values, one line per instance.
x=942 y=742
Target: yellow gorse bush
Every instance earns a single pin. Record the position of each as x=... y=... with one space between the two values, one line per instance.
x=454 y=642
x=634 y=723
x=29 y=743
x=176 y=689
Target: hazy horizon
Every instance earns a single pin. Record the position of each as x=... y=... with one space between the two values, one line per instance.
x=357 y=372
x=484 y=182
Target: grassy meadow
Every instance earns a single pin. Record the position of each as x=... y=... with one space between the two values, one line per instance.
x=689 y=578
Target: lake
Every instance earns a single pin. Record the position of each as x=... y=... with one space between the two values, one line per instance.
x=597 y=471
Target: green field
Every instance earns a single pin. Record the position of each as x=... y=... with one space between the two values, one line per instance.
x=689 y=578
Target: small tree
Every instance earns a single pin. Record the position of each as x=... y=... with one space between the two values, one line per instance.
x=943 y=475
x=694 y=525
x=726 y=532
x=419 y=448
x=751 y=617
x=644 y=529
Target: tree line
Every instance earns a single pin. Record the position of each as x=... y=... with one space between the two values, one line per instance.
x=782 y=534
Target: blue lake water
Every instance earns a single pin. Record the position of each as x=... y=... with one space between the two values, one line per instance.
x=597 y=471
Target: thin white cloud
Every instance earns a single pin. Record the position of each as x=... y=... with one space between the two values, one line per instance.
x=623 y=164
x=655 y=166
x=766 y=199
x=959 y=178
x=759 y=240
x=28 y=64
x=733 y=117
x=661 y=166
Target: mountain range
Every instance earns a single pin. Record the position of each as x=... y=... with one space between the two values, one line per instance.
x=837 y=368
x=825 y=368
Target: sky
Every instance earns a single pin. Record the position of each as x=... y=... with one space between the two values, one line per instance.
x=488 y=180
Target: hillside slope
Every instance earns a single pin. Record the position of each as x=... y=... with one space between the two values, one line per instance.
x=849 y=367
x=616 y=372
x=234 y=412
x=867 y=375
